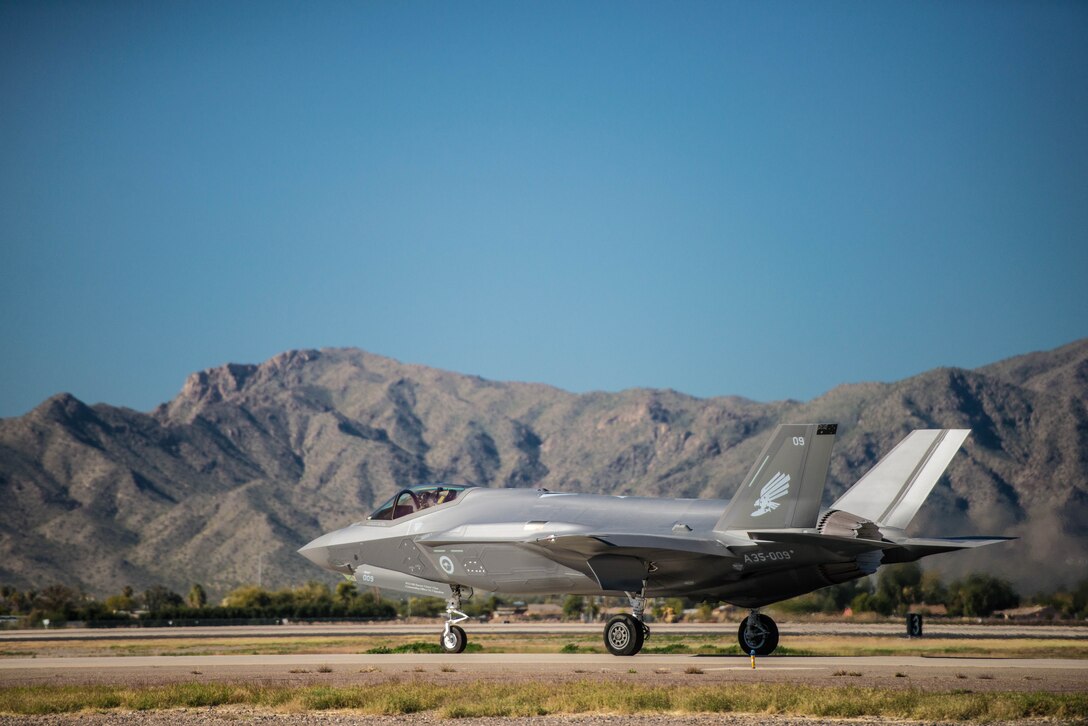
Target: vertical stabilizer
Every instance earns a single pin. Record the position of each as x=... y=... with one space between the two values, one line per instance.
x=891 y=493
x=784 y=487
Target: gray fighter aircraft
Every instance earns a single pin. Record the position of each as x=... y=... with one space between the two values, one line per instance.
x=770 y=542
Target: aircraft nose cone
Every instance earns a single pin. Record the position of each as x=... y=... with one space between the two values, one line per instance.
x=336 y=551
x=317 y=551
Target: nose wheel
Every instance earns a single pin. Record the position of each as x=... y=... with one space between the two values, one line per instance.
x=453 y=638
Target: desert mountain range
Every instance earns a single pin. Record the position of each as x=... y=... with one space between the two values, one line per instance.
x=249 y=462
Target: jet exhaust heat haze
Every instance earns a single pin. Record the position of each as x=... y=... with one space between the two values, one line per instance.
x=770 y=542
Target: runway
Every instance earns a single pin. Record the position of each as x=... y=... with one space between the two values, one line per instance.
x=64 y=660
x=978 y=674
x=430 y=629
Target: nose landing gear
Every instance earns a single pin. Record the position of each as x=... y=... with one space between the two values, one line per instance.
x=453 y=638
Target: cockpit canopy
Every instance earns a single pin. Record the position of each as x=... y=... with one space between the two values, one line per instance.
x=413 y=499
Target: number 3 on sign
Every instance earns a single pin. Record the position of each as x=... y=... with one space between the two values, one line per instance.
x=798 y=440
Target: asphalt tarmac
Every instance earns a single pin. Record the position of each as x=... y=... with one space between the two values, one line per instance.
x=978 y=674
x=947 y=673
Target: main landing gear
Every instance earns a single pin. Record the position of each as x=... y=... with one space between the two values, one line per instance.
x=758 y=634
x=625 y=634
x=453 y=638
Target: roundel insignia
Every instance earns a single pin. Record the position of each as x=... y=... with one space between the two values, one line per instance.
x=446 y=564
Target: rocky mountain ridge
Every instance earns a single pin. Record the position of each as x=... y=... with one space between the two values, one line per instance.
x=249 y=462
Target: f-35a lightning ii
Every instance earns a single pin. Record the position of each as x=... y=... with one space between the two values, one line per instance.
x=770 y=542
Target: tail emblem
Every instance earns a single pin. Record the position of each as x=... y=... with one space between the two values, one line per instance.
x=776 y=488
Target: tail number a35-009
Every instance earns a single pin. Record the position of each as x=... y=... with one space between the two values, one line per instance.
x=764 y=557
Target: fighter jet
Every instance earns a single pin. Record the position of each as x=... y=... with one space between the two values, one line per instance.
x=770 y=542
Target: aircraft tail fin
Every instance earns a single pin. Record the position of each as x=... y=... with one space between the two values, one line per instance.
x=784 y=487
x=891 y=493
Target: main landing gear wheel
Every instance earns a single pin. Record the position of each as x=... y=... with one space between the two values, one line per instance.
x=758 y=633
x=624 y=635
x=454 y=640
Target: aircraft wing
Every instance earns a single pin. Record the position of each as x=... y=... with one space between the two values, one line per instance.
x=623 y=561
x=618 y=561
x=577 y=542
x=636 y=545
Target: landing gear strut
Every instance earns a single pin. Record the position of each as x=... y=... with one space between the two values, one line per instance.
x=757 y=633
x=453 y=638
x=625 y=634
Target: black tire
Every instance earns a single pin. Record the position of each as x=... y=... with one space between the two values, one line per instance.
x=623 y=635
x=455 y=642
x=763 y=641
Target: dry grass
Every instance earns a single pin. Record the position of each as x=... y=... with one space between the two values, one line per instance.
x=541 y=698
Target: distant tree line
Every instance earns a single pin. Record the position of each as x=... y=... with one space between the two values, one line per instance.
x=313 y=600
x=895 y=591
x=900 y=588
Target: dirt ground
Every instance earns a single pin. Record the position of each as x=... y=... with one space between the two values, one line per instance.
x=686 y=670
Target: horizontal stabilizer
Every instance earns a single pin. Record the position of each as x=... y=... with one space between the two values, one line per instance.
x=838 y=545
x=907 y=550
x=953 y=543
x=891 y=493
x=915 y=548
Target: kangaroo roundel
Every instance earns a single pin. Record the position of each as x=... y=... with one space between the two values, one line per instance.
x=775 y=489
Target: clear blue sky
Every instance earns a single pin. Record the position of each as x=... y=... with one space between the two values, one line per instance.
x=763 y=199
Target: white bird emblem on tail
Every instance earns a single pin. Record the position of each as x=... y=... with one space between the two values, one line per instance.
x=776 y=488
